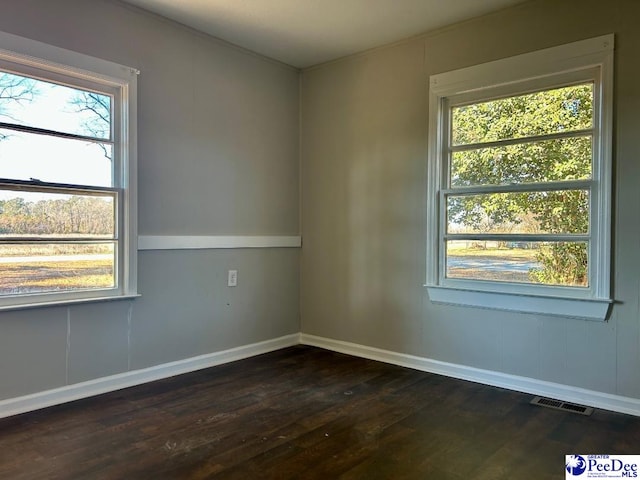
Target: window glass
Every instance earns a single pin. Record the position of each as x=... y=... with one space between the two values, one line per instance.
x=518 y=262
x=546 y=112
x=559 y=212
x=544 y=161
x=538 y=206
x=26 y=156
x=29 y=268
x=47 y=215
x=35 y=103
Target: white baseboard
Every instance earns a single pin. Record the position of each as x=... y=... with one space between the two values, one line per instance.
x=48 y=398
x=532 y=386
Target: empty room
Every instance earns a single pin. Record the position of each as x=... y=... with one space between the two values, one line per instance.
x=317 y=239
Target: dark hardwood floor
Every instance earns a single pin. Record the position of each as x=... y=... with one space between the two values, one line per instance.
x=306 y=413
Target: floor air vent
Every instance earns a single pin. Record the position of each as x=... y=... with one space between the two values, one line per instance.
x=559 y=405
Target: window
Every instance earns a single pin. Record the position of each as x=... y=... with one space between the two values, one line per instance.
x=67 y=176
x=519 y=182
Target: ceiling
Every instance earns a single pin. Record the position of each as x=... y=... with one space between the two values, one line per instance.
x=303 y=33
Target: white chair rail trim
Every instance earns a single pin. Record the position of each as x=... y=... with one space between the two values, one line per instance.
x=186 y=242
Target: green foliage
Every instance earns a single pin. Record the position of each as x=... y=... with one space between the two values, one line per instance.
x=562 y=264
x=549 y=111
x=559 y=159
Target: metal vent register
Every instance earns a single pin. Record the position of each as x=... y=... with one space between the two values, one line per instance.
x=560 y=405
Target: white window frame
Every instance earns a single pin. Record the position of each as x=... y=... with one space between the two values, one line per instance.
x=587 y=60
x=32 y=58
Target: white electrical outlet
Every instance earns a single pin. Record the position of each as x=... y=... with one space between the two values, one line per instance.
x=232 y=278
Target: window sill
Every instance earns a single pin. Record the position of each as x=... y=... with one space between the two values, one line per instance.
x=587 y=309
x=62 y=303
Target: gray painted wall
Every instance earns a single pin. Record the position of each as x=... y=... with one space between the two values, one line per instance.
x=218 y=138
x=364 y=149
x=218 y=155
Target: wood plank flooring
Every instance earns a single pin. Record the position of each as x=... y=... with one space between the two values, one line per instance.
x=306 y=413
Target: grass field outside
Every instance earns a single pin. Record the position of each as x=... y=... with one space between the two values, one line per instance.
x=52 y=249
x=36 y=277
x=493 y=263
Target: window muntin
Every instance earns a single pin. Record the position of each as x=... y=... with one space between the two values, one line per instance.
x=472 y=164
x=67 y=177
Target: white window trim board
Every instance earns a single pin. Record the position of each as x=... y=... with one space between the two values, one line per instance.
x=29 y=55
x=34 y=53
x=586 y=309
x=524 y=71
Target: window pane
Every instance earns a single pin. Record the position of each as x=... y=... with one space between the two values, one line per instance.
x=559 y=212
x=35 y=103
x=35 y=268
x=24 y=156
x=56 y=215
x=550 y=111
x=548 y=263
x=547 y=161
